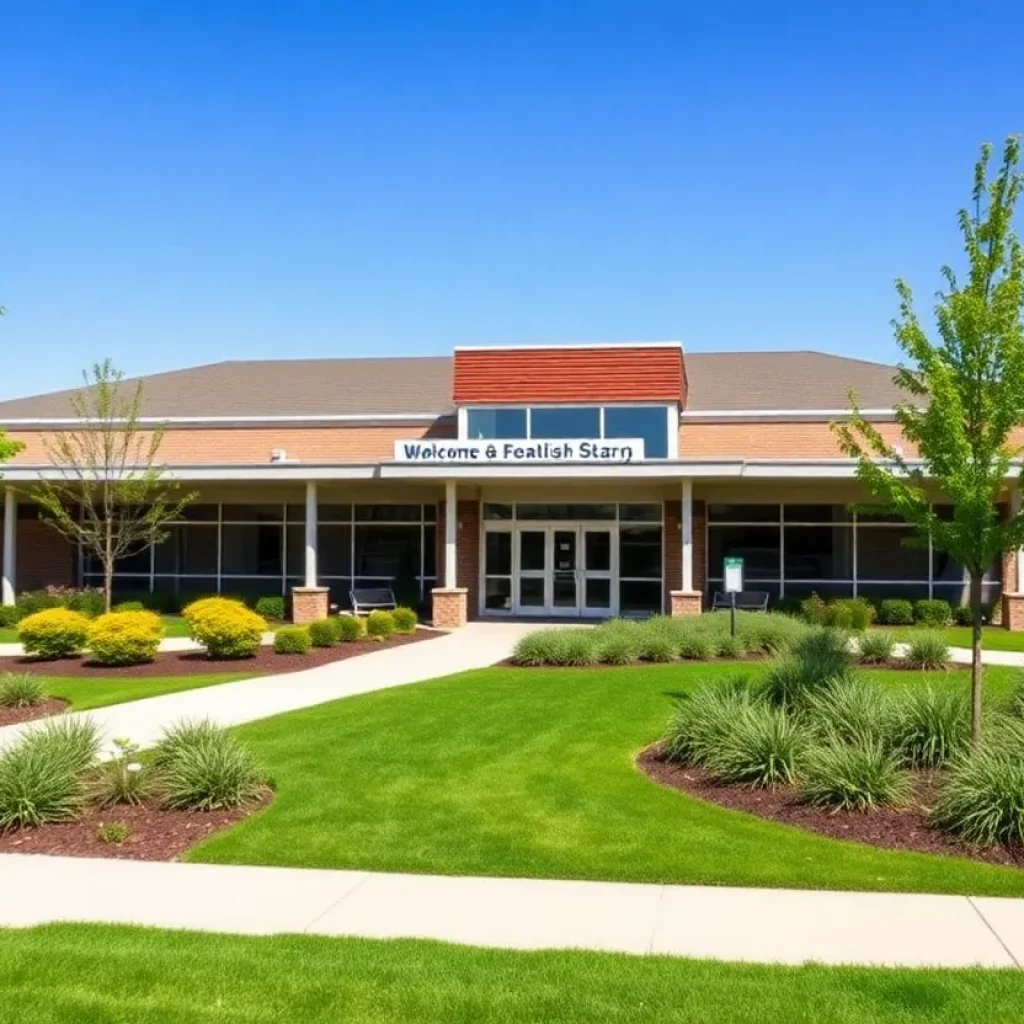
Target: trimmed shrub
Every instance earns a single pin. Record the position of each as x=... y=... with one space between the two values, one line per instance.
x=54 y=633
x=10 y=615
x=702 y=719
x=207 y=769
x=225 y=628
x=763 y=747
x=853 y=778
x=89 y=601
x=129 y=606
x=125 y=637
x=814 y=609
x=857 y=613
x=324 y=632
x=406 y=619
x=932 y=612
x=983 y=799
x=31 y=601
x=895 y=611
x=292 y=640
x=931 y=727
x=927 y=652
x=962 y=615
x=818 y=662
x=875 y=647
x=350 y=629
x=855 y=711
x=20 y=690
x=380 y=625
x=270 y=607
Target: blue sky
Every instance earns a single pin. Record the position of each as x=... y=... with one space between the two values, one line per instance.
x=195 y=181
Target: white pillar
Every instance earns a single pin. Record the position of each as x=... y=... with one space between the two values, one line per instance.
x=10 y=547
x=687 y=528
x=451 y=530
x=1019 y=575
x=311 y=539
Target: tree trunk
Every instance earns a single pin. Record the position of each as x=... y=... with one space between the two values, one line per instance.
x=976 y=676
x=108 y=565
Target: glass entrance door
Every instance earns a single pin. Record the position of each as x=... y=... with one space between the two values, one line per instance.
x=597 y=571
x=533 y=570
x=565 y=594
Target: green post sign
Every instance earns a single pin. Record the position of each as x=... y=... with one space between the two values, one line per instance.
x=732 y=574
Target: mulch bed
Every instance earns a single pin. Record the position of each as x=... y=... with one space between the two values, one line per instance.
x=889 y=828
x=193 y=663
x=51 y=706
x=155 y=833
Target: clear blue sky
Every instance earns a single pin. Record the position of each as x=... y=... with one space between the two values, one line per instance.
x=194 y=181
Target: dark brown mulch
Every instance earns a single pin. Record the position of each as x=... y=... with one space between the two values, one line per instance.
x=193 y=663
x=51 y=706
x=889 y=828
x=155 y=833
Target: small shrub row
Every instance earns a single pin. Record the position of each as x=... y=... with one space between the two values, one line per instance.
x=116 y=638
x=86 y=600
x=855 y=613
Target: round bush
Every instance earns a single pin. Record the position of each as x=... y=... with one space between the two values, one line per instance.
x=89 y=601
x=54 y=633
x=983 y=799
x=853 y=778
x=10 y=615
x=324 y=632
x=292 y=640
x=875 y=647
x=894 y=611
x=350 y=629
x=406 y=620
x=125 y=638
x=225 y=628
x=763 y=747
x=380 y=625
x=931 y=727
x=932 y=612
x=927 y=652
x=270 y=607
x=129 y=606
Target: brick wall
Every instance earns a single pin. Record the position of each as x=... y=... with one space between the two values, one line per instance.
x=672 y=539
x=45 y=558
x=468 y=549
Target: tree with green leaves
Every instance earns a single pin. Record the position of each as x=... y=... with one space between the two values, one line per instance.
x=965 y=400
x=107 y=492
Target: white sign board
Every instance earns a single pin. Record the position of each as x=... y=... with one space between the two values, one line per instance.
x=733 y=574
x=611 y=451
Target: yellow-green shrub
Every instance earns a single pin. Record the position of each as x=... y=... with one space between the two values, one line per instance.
x=350 y=629
x=226 y=628
x=405 y=619
x=380 y=625
x=125 y=638
x=54 y=633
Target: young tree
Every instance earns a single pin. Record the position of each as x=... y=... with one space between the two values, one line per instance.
x=965 y=399
x=108 y=494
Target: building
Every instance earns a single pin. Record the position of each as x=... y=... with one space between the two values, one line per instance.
x=551 y=481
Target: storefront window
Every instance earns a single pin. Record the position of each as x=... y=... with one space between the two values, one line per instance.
x=500 y=424
x=646 y=422
x=550 y=423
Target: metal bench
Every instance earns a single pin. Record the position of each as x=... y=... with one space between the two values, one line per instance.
x=367 y=599
x=746 y=600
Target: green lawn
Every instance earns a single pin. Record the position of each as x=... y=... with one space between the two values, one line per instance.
x=530 y=773
x=81 y=974
x=98 y=692
x=174 y=626
x=994 y=638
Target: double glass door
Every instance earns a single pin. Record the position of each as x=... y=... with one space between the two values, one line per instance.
x=564 y=570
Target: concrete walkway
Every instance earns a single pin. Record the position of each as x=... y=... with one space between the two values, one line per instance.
x=762 y=925
x=475 y=646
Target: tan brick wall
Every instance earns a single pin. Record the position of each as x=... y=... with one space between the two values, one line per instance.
x=310 y=604
x=1013 y=611
x=684 y=604
x=468 y=550
x=672 y=541
x=450 y=608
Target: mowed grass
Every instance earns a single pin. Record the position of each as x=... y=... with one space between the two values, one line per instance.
x=85 y=693
x=174 y=626
x=529 y=772
x=85 y=974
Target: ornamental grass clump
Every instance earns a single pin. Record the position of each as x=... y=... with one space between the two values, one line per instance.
x=931 y=727
x=763 y=747
x=54 y=633
x=125 y=638
x=769 y=633
x=927 y=651
x=875 y=647
x=226 y=628
x=617 y=642
x=698 y=645
x=817 y=662
x=859 y=777
x=20 y=690
x=123 y=779
x=982 y=801
x=702 y=719
x=657 y=645
x=856 y=711
x=204 y=768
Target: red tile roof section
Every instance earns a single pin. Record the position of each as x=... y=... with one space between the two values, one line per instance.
x=607 y=374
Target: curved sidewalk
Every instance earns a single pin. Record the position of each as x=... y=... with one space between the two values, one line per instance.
x=761 y=925
x=475 y=646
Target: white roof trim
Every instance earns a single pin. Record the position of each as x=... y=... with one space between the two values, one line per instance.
x=541 y=346
x=718 y=415
x=384 y=419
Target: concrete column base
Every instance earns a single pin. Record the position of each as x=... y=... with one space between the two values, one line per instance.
x=685 y=603
x=310 y=604
x=1013 y=612
x=450 y=607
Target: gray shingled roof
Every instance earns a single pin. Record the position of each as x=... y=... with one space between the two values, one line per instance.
x=423 y=384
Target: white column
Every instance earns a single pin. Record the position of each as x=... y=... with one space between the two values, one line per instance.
x=687 y=528
x=451 y=531
x=311 y=541
x=10 y=547
x=1017 y=582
